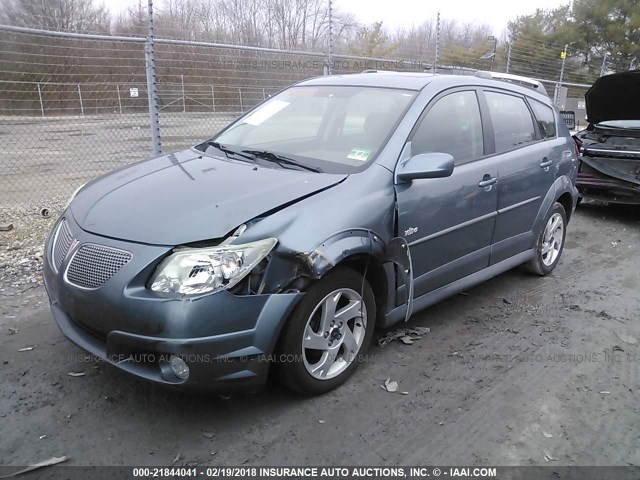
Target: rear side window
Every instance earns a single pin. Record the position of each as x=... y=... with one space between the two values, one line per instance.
x=545 y=118
x=452 y=126
x=512 y=122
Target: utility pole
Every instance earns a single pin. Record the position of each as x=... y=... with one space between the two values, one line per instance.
x=556 y=95
x=152 y=92
x=330 y=51
x=495 y=47
x=604 y=64
x=40 y=97
x=434 y=67
x=509 y=57
x=184 y=98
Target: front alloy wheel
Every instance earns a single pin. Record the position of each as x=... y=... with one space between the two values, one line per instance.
x=328 y=333
x=334 y=334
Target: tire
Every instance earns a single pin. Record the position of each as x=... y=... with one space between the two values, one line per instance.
x=341 y=346
x=548 y=252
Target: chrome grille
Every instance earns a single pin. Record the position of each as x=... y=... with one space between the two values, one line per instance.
x=61 y=243
x=92 y=265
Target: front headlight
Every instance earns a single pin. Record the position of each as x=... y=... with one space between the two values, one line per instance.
x=200 y=270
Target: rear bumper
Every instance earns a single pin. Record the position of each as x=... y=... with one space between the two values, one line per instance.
x=226 y=340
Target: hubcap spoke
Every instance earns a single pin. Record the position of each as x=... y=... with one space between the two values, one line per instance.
x=350 y=311
x=350 y=345
x=314 y=340
x=329 y=311
x=321 y=369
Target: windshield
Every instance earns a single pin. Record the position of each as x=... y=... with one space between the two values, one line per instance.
x=336 y=128
x=631 y=124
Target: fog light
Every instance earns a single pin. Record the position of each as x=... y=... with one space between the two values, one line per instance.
x=179 y=367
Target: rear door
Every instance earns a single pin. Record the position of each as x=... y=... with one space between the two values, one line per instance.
x=527 y=169
x=448 y=222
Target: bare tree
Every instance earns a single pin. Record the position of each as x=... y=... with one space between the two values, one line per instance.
x=81 y=16
x=244 y=21
x=417 y=42
x=133 y=21
x=177 y=19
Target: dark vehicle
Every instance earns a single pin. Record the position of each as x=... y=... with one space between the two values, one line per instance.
x=610 y=145
x=340 y=204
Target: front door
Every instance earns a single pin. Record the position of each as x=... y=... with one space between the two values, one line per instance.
x=448 y=222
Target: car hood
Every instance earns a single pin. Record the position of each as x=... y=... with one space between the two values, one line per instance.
x=187 y=197
x=614 y=97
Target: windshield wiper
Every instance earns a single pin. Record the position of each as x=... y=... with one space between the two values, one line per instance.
x=228 y=151
x=280 y=159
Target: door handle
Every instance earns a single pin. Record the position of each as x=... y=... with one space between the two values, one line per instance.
x=487 y=182
x=546 y=163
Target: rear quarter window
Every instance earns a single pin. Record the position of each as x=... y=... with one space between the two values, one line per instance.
x=512 y=122
x=545 y=118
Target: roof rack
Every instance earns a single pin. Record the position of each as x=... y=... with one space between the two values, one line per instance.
x=516 y=79
x=379 y=71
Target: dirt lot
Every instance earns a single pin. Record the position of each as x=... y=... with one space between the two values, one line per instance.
x=520 y=370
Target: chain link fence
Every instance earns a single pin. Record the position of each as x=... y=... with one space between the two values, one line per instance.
x=75 y=106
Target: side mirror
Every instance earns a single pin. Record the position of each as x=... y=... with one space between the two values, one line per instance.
x=426 y=165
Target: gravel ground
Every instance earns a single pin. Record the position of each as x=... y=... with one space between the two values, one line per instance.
x=520 y=370
x=21 y=250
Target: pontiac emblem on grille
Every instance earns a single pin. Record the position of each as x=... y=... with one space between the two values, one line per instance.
x=73 y=245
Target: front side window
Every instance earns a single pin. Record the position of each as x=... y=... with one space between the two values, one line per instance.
x=453 y=125
x=335 y=128
x=512 y=122
x=545 y=118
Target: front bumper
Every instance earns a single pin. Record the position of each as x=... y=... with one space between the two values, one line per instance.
x=599 y=186
x=226 y=340
x=610 y=179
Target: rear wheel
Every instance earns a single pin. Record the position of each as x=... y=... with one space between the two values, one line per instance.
x=327 y=335
x=550 y=242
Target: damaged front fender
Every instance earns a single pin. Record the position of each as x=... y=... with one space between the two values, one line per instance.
x=335 y=249
x=298 y=269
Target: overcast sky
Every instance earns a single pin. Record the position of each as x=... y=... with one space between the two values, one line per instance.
x=395 y=13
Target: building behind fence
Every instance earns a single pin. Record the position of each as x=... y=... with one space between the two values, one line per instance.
x=74 y=106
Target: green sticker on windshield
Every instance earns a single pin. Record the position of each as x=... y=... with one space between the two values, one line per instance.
x=359 y=154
